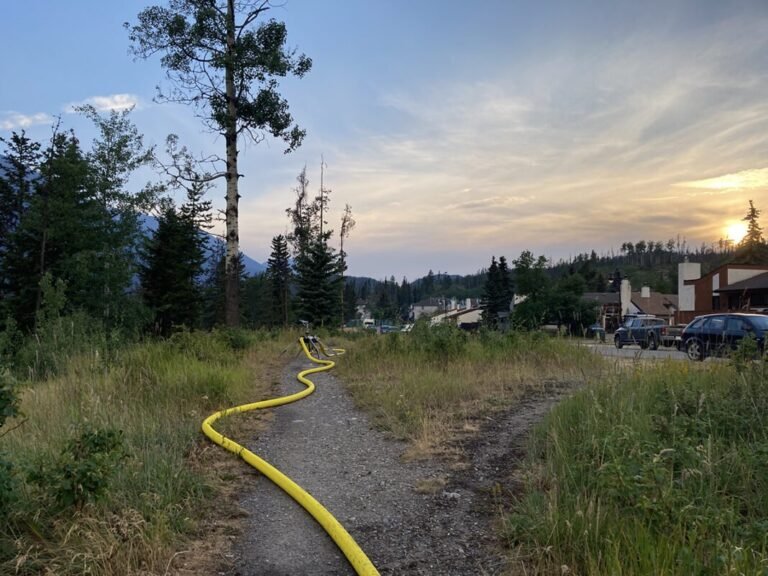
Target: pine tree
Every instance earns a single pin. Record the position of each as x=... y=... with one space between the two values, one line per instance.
x=55 y=234
x=752 y=248
x=173 y=264
x=214 y=288
x=317 y=266
x=279 y=279
x=318 y=278
x=491 y=293
x=350 y=302
x=21 y=168
x=505 y=286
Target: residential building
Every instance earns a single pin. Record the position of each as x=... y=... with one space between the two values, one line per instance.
x=731 y=287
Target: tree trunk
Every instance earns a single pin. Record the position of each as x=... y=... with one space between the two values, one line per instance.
x=232 y=276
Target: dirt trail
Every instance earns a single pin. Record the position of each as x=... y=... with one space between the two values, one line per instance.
x=329 y=448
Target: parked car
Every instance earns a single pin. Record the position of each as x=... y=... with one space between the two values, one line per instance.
x=717 y=334
x=647 y=331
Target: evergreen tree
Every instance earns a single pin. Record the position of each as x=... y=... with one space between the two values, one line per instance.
x=506 y=292
x=278 y=277
x=318 y=278
x=428 y=284
x=55 y=234
x=491 y=293
x=214 y=285
x=173 y=264
x=497 y=293
x=317 y=266
x=350 y=302
x=21 y=164
x=258 y=302
x=752 y=248
x=532 y=282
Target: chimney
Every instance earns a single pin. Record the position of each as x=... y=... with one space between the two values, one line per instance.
x=687 y=293
x=645 y=292
x=626 y=296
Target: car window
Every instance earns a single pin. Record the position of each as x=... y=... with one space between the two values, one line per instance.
x=759 y=322
x=736 y=324
x=716 y=323
x=696 y=324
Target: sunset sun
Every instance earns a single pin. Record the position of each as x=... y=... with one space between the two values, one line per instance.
x=736 y=231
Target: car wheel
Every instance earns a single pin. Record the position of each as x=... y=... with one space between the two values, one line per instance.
x=652 y=343
x=643 y=344
x=695 y=350
x=617 y=342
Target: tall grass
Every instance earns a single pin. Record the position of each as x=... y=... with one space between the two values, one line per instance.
x=662 y=470
x=155 y=395
x=421 y=385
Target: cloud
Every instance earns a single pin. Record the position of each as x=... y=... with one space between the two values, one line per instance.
x=14 y=120
x=577 y=147
x=116 y=102
x=754 y=179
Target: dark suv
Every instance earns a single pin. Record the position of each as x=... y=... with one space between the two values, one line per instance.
x=647 y=331
x=717 y=334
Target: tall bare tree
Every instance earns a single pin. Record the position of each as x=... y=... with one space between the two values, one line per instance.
x=224 y=58
x=347 y=224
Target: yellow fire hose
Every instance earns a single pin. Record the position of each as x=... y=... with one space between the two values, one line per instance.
x=357 y=558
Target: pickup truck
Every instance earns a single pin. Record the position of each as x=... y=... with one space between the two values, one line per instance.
x=648 y=332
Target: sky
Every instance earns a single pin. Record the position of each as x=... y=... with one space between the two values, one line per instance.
x=456 y=130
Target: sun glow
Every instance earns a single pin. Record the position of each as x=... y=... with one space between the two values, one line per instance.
x=736 y=231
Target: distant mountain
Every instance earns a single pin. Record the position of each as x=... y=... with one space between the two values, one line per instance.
x=214 y=247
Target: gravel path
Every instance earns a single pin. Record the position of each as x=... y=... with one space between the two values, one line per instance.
x=330 y=449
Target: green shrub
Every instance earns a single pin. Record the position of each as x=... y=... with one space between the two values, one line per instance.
x=83 y=469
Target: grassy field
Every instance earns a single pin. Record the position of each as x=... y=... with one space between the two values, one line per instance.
x=649 y=468
x=425 y=385
x=657 y=470
x=110 y=473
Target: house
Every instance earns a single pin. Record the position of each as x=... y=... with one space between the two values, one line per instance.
x=655 y=303
x=428 y=307
x=750 y=294
x=461 y=317
x=730 y=287
x=613 y=306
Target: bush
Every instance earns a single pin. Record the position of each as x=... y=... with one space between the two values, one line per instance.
x=83 y=469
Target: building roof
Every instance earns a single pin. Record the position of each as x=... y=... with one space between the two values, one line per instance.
x=759 y=282
x=657 y=304
x=433 y=302
x=729 y=266
x=602 y=298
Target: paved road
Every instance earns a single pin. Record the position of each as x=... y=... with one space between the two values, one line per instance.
x=610 y=351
